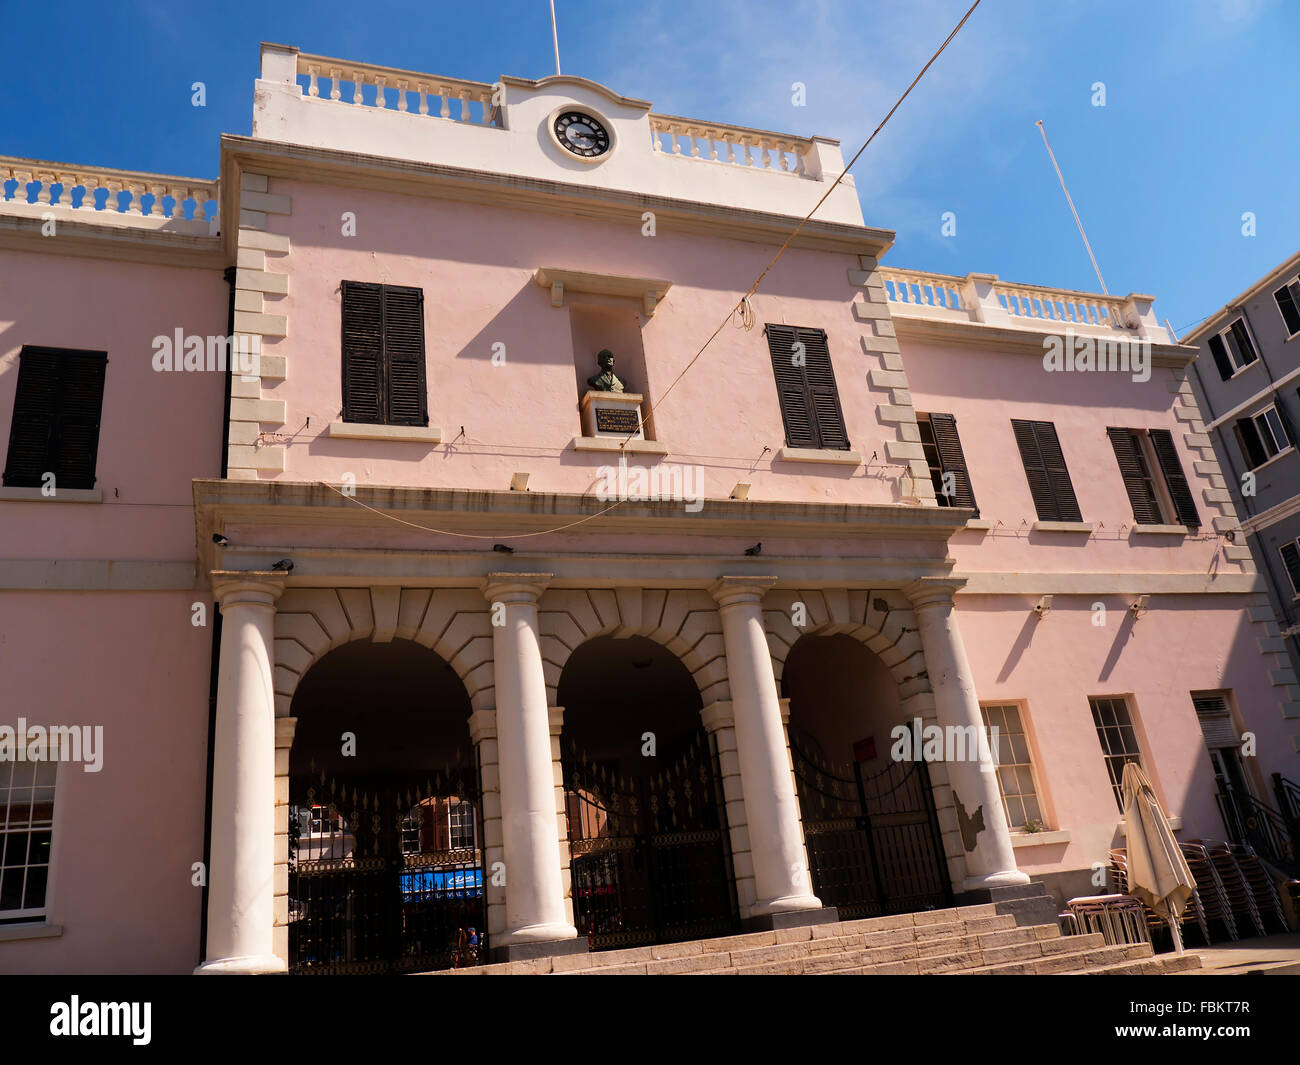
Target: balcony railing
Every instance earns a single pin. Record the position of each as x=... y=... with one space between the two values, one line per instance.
x=737 y=145
x=126 y=192
x=986 y=299
x=368 y=85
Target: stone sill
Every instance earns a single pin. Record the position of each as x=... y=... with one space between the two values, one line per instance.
x=409 y=434
x=635 y=446
x=1064 y=526
x=980 y=524
x=1039 y=839
x=1160 y=530
x=814 y=454
x=62 y=495
x=9 y=932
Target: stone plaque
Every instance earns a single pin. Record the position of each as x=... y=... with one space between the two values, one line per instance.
x=617 y=420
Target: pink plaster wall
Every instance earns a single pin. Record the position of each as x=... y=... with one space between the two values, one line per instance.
x=157 y=430
x=125 y=837
x=475 y=264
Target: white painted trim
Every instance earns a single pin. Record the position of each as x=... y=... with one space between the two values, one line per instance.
x=980 y=524
x=1272 y=459
x=820 y=454
x=616 y=443
x=1160 y=530
x=411 y=434
x=1272 y=516
x=30 y=931
x=1064 y=526
x=1022 y=839
x=39 y=574
x=1116 y=584
x=62 y=495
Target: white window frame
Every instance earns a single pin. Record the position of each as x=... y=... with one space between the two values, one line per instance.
x=35 y=913
x=1003 y=748
x=1277 y=436
x=455 y=808
x=1294 y=286
x=1229 y=342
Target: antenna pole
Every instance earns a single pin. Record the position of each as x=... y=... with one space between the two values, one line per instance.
x=555 y=37
x=1043 y=130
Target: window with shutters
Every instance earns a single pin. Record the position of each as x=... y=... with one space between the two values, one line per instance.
x=1215 y=719
x=383 y=354
x=1156 y=501
x=943 y=454
x=805 y=387
x=1118 y=738
x=1232 y=348
x=1015 y=765
x=1045 y=469
x=1291 y=560
x=55 y=428
x=1262 y=436
x=1287 y=299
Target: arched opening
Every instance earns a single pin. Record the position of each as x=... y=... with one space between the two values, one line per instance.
x=649 y=851
x=385 y=824
x=869 y=822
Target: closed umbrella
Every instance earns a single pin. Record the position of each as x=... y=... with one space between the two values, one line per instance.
x=1157 y=871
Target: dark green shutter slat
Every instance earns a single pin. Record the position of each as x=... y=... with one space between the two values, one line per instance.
x=1242 y=334
x=1145 y=509
x=1067 y=505
x=822 y=389
x=1286 y=305
x=1045 y=469
x=951 y=457
x=404 y=355
x=55 y=428
x=363 y=362
x=1220 y=354
x=1040 y=487
x=1162 y=441
x=792 y=391
x=1291 y=559
x=1252 y=448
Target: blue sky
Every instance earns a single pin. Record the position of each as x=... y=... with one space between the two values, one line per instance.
x=1199 y=123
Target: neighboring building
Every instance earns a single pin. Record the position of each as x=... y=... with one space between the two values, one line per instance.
x=505 y=651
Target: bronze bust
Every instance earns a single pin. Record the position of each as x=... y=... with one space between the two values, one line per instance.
x=605 y=381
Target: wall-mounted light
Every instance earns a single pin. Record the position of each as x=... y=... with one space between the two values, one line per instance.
x=1043 y=605
x=1139 y=606
x=741 y=491
x=519 y=482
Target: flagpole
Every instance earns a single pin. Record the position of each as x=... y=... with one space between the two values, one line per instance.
x=555 y=37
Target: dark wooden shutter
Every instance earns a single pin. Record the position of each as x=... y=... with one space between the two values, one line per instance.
x=1291 y=559
x=404 y=356
x=1242 y=334
x=1162 y=440
x=1133 y=471
x=1285 y=300
x=1220 y=354
x=791 y=388
x=57 y=407
x=1252 y=448
x=948 y=444
x=363 y=352
x=824 y=394
x=1045 y=469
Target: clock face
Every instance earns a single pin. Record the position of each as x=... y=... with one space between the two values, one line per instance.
x=581 y=134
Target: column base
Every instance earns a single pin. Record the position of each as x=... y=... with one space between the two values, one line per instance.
x=536 y=933
x=244 y=965
x=767 y=922
x=1003 y=878
x=1029 y=904
x=545 y=948
x=785 y=904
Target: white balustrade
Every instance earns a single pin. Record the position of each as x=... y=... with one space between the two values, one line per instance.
x=929 y=290
x=18 y=175
x=1058 y=305
x=393 y=89
x=744 y=147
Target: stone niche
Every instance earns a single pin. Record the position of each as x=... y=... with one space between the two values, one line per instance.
x=615 y=325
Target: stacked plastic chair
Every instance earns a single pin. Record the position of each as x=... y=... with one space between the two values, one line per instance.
x=1193 y=911
x=1214 y=898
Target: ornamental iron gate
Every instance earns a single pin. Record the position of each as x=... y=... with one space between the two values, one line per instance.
x=874 y=845
x=650 y=858
x=385 y=876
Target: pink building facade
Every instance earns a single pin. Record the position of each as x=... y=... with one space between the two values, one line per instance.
x=657 y=653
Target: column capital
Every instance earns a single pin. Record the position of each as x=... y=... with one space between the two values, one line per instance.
x=731 y=590
x=232 y=587
x=719 y=715
x=482 y=726
x=515 y=587
x=929 y=591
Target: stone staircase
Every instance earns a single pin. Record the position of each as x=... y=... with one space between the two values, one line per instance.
x=963 y=941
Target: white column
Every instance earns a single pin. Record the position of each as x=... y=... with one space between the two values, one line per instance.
x=535 y=909
x=241 y=873
x=781 y=877
x=991 y=862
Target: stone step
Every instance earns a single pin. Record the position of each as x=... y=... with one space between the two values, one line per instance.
x=1159 y=965
x=1066 y=961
